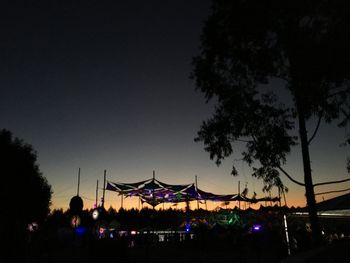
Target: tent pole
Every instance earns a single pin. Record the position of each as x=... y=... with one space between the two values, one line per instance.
x=96 y=194
x=239 y=195
x=121 y=201
x=286 y=232
x=153 y=198
x=104 y=188
x=78 y=181
x=196 y=190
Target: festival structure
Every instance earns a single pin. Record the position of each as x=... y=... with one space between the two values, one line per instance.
x=155 y=192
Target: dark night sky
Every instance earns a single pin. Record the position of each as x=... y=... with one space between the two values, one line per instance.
x=105 y=85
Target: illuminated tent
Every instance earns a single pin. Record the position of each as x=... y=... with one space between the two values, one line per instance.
x=154 y=192
x=341 y=202
x=336 y=207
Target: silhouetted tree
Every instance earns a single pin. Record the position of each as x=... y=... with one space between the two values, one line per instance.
x=348 y=164
x=245 y=45
x=25 y=194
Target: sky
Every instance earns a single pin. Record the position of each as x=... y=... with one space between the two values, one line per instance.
x=105 y=85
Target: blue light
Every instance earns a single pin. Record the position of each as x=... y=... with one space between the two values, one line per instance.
x=80 y=230
x=187 y=228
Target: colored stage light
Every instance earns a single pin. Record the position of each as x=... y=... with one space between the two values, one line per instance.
x=95 y=214
x=187 y=228
x=256 y=227
x=80 y=230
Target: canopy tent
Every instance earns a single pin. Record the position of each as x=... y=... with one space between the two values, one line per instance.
x=335 y=207
x=154 y=192
x=341 y=202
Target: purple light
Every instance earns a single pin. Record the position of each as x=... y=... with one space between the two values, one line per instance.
x=256 y=227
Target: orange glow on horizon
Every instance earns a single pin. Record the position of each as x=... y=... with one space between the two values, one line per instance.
x=133 y=202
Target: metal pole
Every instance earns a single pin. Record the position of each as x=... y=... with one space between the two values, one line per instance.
x=239 y=195
x=286 y=231
x=153 y=198
x=78 y=181
x=104 y=188
x=196 y=190
x=96 y=194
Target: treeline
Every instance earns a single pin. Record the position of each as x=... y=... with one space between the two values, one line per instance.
x=125 y=219
x=168 y=219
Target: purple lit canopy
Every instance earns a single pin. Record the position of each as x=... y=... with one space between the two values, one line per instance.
x=154 y=192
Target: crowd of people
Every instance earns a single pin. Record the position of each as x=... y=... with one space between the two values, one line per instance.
x=127 y=232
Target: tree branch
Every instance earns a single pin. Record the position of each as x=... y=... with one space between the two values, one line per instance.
x=289 y=177
x=283 y=171
x=316 y=129
x=332 y=182
x=254 y=139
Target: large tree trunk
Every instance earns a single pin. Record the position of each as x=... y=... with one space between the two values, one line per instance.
x=309 y=188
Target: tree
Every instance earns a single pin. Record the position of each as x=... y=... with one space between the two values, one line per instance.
x=26 y=194
x=348 y=161
x=247 y=44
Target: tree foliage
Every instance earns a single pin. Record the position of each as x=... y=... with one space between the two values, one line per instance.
x=247 y=44
x=348 y=164
x=26 y=192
